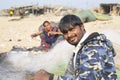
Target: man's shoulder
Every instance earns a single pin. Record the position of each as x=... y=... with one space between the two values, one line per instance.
x=94 y=41
x=97 y=42
x=93 y=37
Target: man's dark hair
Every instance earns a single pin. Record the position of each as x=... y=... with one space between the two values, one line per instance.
x=69 y=22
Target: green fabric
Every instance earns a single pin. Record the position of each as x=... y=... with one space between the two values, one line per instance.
x=102 y=17
x=86 y=16
x=118 y=73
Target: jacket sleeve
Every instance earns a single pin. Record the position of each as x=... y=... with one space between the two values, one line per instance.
x=94 y=63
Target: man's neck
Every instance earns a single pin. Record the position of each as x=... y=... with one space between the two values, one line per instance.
x=82 y=39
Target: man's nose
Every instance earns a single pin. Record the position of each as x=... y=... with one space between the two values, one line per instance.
x=69 y=33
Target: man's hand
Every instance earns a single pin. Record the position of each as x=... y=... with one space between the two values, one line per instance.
x=42 y=75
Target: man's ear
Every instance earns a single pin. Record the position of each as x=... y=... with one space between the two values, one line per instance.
x=82 y=27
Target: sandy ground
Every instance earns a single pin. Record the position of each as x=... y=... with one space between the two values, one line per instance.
x=18 y=33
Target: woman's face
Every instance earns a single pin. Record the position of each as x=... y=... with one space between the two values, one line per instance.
x=47 y=26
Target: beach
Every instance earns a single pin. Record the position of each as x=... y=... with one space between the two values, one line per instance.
x=16 y=32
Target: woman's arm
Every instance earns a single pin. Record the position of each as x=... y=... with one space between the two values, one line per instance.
x=36 y=34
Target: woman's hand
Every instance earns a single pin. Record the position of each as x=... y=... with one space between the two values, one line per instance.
x=34 y=35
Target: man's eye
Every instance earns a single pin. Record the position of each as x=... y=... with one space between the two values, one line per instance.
x=71 y=29
x=65 y=32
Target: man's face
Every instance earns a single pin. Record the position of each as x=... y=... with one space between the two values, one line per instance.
x=74 y=35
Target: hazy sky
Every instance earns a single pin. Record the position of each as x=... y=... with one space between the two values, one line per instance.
x=4 y=4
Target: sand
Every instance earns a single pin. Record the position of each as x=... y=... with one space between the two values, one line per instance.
x=17 y=33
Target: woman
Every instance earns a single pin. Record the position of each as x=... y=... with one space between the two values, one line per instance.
x=50 y=35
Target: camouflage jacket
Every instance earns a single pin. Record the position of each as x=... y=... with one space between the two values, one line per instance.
x=93 y=60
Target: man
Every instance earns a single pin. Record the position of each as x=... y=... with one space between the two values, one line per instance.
x=92 y=58
x=50 y=35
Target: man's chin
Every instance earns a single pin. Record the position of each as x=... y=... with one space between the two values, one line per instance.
x=73 y=43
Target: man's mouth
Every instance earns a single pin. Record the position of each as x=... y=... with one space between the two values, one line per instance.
x=72 y=39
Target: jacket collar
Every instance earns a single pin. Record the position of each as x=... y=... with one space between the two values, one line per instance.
x=75 y=51
x=80 y=42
